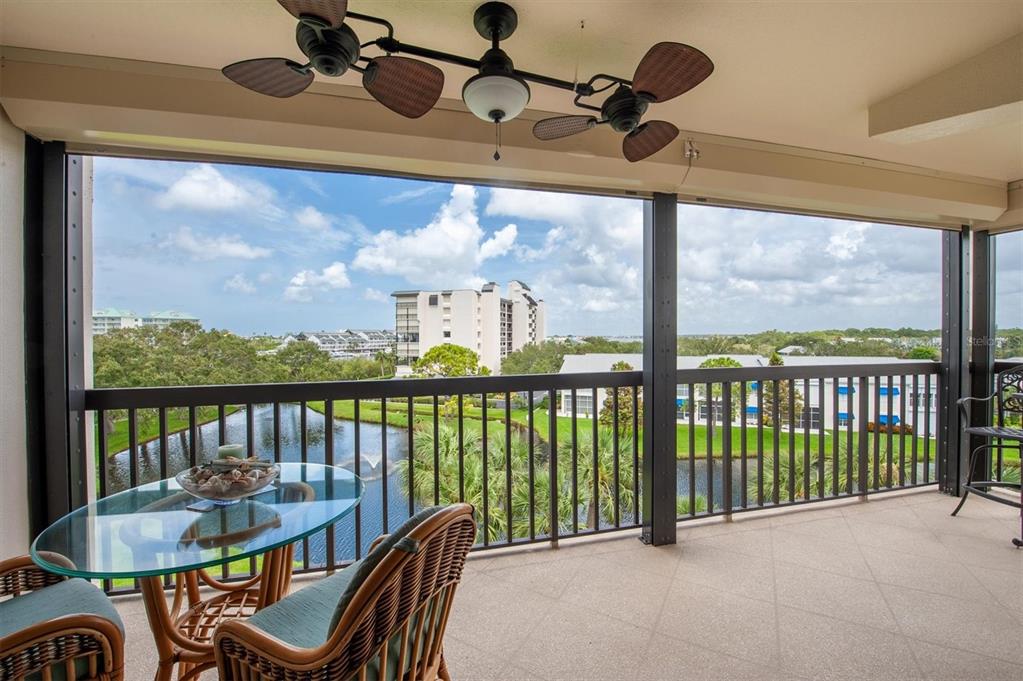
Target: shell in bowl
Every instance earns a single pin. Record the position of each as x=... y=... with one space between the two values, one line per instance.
x=227 y=484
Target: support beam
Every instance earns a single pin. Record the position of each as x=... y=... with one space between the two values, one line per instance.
x=660 y=338
x=982 y=349
x=984 y=91
x=955 y=248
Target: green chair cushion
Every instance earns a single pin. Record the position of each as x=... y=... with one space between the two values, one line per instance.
x=303 y=618
x=306 y=618
x=70 y=597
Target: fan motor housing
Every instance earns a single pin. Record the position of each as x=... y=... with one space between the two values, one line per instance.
x=330 y=51
x=623 y=110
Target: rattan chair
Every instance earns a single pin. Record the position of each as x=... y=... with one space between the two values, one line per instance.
x=55 y=628
x=379 y=619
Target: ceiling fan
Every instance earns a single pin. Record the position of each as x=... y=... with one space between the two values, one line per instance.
x=497 y=93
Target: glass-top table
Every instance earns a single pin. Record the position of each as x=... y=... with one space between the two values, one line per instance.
x=149 y=533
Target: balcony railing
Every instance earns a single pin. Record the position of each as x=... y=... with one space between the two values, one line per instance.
x=536 y=465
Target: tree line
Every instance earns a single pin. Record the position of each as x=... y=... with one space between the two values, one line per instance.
x=184 y=353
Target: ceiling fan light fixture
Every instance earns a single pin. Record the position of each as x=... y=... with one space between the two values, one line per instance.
x=495 y=97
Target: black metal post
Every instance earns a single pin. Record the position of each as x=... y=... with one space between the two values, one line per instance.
x=54 y=315
x=982 y=350
x=954 y=383
x=660 y=337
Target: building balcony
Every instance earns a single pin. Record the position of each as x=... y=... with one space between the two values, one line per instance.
x=890 y=588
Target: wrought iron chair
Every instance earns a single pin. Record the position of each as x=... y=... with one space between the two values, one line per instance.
x=1008 y=398
x=381 y=618
x=52 y=627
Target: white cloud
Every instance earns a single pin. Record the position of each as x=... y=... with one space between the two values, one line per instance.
x=240 y=284
x=319 y=227
x=312 y=219
x=205 y=188
x=200 y=247
x=409 y=194
x=376 y=295
x=842 y=245
x=302 y=286
x=445 y=253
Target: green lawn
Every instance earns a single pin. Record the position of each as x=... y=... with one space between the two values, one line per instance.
x=148 y=426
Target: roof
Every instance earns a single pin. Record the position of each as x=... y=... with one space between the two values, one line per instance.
x=596 y=362
x=112 y=312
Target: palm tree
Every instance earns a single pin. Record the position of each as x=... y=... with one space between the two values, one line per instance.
x=604 y=473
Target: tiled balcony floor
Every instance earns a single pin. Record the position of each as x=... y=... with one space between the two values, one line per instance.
x=891 y=588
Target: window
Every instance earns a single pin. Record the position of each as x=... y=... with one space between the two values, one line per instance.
x=447 y=334
x=583 y=404
x=718 y=410
x=844 y=419
x=811 y=418
x=433 y=301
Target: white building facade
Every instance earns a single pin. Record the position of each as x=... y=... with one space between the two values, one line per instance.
x=484 y=321
x=110 y=319
x=348 y=343
x=914 y=404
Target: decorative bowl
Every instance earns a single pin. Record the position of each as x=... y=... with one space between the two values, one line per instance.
x=228 y=481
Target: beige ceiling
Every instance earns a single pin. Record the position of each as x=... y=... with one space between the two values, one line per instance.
x=794 y=73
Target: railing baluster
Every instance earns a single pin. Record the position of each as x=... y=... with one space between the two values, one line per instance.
x=691 y=404
x=277 y=432
x=863 y=441
x=192 y=436
x=776 y=433
x=552 y=425
x=888 y=440
x=792 y=441
x=876 y=454
x=726 y=447
x=411 y=445
x=743 y=448
x=595 y=471
x=760 y=443
x=821 y=444
x=836 y=435
x=902 y=430
x=461 y=449
x=806 y=438
x=250 y=429
x=328 y=459
x=532 y=465
x=508 y=465
x=916 y=428
x=709 y=402
x=221 y=424
x=133 y=449
x=614 y=454
x=575 y=465
x=357 y=469
x=853 y=416
x=303 y=421
x=635 y=455
x=486 y=473
x=161 y=414
x=101 y=447
x=927 y=428
x=436 y=451
x=385 y=511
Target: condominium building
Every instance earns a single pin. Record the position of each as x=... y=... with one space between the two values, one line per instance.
x=109 y=319
x=483 y=321
x=347 y=343
x=827 y=402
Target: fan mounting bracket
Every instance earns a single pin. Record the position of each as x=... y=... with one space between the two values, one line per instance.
x=495 y=20
x=330 y=51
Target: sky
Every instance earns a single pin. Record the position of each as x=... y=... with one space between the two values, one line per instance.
x=267 y=250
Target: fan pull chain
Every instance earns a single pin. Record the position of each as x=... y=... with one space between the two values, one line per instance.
x=497 y=151
x=579 y=51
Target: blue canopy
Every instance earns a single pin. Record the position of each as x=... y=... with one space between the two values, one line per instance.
x=680 y=402
x=883 y=419
x=845 y=390
x=752 y=410
x=844 y=416
x=884 y=390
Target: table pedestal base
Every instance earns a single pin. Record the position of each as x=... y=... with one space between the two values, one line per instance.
x=184 y=636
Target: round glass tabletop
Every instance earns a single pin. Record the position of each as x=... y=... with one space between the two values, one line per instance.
x=149 y=530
